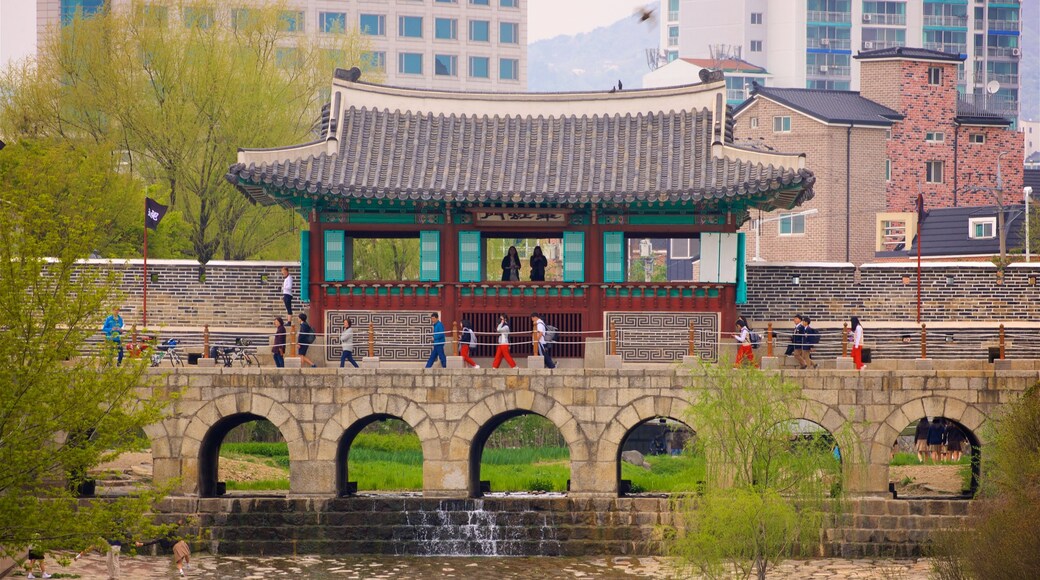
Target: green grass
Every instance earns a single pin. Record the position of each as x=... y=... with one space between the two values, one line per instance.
x=670 y=473
x=911 y=459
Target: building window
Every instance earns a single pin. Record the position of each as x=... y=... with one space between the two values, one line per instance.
x=291 y=21
x=977 y=138
x=242 y=18
x=446 y=29
x=509 y=33
x=81 y=8
x=447 y=1
x=446 y=65
x=509 y=69
x=480 y=2
x=982 y=228
x=673 y=36
x=479 y=67
x=509 y=3
x=754 y=122
x=373 y=24
x=756 y=46
x=480 y=30
x=934 y=75
x=756 y=18
x=893 y=235
x=673 y=55
x=286 y=57
x=409 y=63
x=198 y=17
x=680 y=249
x=791 y=224
x=888 y=134
x=781 y=124
x=333 y=22
x=374 y=60
x=888 y=170
x=409 y=26
x=937 y=137
x=933 y=171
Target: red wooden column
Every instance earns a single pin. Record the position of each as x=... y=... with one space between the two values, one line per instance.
x=316 y=317
x=594 y=273
x=449 y=268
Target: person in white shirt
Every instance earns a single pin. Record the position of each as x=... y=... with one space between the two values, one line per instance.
x=502 y=352
x=346 y=342
x=544 y=347
x=287 y=292
x=745 y=353
x=856 y=338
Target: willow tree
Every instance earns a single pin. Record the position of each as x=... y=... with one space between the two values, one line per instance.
x=178 y=87
x=62 y=412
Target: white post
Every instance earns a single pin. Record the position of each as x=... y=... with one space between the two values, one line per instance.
x=1027 y=191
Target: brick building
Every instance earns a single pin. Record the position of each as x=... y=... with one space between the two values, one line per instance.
x=945 y=147
x=906 y=131
x=844 y=135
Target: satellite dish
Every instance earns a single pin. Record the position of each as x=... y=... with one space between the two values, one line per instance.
x=992 y=87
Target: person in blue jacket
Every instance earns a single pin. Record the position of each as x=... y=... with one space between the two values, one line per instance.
x=437 y=352
x=113 y=330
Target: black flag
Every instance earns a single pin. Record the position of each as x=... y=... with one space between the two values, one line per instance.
x=153 y=213
x=920 y=208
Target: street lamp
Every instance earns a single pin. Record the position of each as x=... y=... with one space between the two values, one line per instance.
x=760 y=221
x=1026 y=192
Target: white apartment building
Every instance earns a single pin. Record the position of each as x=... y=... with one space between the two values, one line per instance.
x=459 y=45
x=17 y=31
x=810 y=43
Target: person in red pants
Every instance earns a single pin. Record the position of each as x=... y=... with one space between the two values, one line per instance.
x=502 y=352
x=856 y=338
x=745 y=353
x=469 y=341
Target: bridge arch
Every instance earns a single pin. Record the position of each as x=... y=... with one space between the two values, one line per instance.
x=965 y=415
x=338 y=433
x=481 y=419
x=208 y=426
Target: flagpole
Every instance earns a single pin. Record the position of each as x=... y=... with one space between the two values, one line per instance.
x=144 y=309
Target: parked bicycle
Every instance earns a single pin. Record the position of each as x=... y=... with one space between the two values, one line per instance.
x=243 y=352
x=167 y=351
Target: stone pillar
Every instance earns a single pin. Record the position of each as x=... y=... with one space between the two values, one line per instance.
x=595 y=351
x=454 y=362
x=593 y=479
x=312 y=477
x=370 y=362
x=445 y=478
x=844 y=363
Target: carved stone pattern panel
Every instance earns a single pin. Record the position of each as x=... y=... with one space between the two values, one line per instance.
x=664 y=336
x=399 y=336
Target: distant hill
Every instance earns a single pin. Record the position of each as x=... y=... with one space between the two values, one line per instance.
x=1029 y=65
x=593 y=60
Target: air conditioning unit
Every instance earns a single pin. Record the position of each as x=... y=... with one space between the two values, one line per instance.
x=868 y=45
x=1016 y=52
x=825 y=42
x=866 y=18
x=823 y=69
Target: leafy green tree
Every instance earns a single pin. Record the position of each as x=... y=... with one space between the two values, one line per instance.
x=61 y=413
x=179 y=87
x=386 y=258
x=769 y=487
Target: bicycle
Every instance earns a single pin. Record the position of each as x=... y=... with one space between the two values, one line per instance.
x=167 y=350
x=243 y=352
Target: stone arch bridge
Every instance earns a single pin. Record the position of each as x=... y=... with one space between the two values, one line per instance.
x=320 y=411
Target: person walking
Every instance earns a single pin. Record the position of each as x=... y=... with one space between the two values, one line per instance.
x=544 y=344
x=306 y=338
x=796 y=340
x=502 y=352
x=346 y=342
x=921 y=439
x=810 y=337
x=468 y=342
x=936 y=434
x=538 y=264
x=437 y=350
x=278 y=350
x=955 y=442
x=113 y=329
x=511 y=266
x=856 y=338
x=287 y=285
x=181 y=556
x=36 y=558
x=745 y=352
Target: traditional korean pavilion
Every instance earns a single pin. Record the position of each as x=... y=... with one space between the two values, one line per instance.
x=458 y=169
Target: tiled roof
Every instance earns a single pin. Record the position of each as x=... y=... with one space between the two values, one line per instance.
x=909 y=53
x=972 y=113
x=829 y=106
x=384 y=154
x=727 y=65
x=944 y=231
x=1031 y=178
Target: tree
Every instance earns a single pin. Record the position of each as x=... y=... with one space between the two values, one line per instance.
x=61 y=413
x=769 y=486
x=178 y=88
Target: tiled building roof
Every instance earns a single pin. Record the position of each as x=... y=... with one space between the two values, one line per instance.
x=909 y=52
x=829 y=106
x=666 y=157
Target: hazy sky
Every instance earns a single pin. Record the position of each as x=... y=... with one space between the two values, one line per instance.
x=548 y=18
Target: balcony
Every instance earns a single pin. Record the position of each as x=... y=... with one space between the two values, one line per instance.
x=825 y=16
x=1004 y=51
x=1004 y=25
x=673 y=16
x=827 y=70
x=944 y=47
x=831 y=43
x=879 y=44
x=884 y=19
x=1007 y=80
x=1000 y=104
x=673 y=41
x=735 y=95
x=946 y=21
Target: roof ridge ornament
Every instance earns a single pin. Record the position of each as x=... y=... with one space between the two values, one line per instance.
x=351 y=75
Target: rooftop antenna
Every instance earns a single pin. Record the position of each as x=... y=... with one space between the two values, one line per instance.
x=720 y=53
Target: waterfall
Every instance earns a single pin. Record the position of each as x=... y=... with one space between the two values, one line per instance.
x=466 y=528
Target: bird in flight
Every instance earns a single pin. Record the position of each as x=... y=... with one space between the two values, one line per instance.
x=645 y=14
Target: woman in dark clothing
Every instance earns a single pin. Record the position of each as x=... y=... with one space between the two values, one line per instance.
x=936 y=436
x=278 y=350
x=511 y=266
x=921 y=438
x=538 y=264
x=955 y=442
